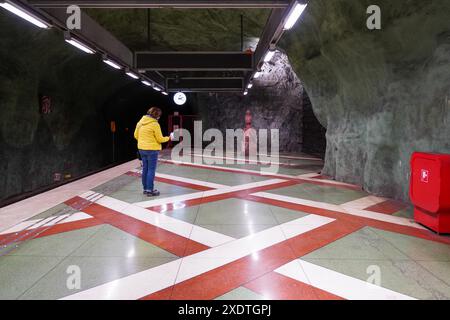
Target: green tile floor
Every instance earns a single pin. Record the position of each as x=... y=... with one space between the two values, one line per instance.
x=236 y=218
x=327 y=194
x=409 y=265
x=38 y=268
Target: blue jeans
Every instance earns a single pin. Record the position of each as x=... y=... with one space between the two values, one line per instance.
x=149 y=162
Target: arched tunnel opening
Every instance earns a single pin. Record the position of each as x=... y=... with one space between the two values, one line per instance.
x=257 y=149
x=125 y=108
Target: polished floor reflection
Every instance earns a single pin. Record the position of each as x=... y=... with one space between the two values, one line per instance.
x=220 y=231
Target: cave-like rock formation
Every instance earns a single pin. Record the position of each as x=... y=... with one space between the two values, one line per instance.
x=275 y=102
x=74 y=138
x=381 y=94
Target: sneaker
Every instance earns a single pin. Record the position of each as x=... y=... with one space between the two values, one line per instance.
x=146 y=192
x=153 y=193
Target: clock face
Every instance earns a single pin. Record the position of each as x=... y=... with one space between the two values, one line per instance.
x=179 y=98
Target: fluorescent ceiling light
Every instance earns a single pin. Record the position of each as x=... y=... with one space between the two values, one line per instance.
x=24 y=15
x=269 y=56
x=112 y=64
x=146 y=83
x=79 y=45
x=294 y=15
x=250 y=85
x=165 y=93
x=257 y=75
x=245 y=92
x=157 y=88
x=132 y=75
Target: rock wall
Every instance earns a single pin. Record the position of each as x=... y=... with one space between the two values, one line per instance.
x=275 y=102
x=74 y=138
x=314 y=134
x=381 y=94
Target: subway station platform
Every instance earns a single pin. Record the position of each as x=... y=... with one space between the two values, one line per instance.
x=218 y=232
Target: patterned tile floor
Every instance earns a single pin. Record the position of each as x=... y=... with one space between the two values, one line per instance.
x=222 y=231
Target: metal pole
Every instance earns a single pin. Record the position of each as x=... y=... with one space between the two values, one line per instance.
x=148 y=30
x=113 y=147
x=242 y=32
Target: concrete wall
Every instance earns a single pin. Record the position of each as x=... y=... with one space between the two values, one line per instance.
x=381 y=94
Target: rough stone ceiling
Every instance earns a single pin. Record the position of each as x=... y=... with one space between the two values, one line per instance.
x=183 y=29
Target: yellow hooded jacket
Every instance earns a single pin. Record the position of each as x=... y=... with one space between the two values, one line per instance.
x=148 y=134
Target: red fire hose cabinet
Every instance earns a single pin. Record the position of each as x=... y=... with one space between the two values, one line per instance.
x=430 y=190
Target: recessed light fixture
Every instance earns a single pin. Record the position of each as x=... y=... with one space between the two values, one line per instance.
x=245 y=92
x=131 y=74
x=148 y=84
x=250 y=85
x=294 y=15
x=156 y=88
x=77 y=44
x=257 y=75
x=111 y=63
x=165 y=93
x=17 y=10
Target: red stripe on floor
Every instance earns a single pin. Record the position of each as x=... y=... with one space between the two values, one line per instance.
x=387 y=207
x=322 y=183
x=164 y=239
x=221 y=280
x=410 y=231
x=276 y=286
x=175 y=182
x=51 y=230
x=222 y=196
x=183 y=184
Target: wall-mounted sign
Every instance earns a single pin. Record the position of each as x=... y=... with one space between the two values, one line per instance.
x=180 y=98
x=45 y=104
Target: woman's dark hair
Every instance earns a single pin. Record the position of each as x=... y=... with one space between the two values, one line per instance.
x=154 y=112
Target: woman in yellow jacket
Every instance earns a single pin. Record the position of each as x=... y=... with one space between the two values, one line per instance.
x=149 y=137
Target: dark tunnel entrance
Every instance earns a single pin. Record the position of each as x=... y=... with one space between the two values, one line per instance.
x=63 y=102
x=127 y=106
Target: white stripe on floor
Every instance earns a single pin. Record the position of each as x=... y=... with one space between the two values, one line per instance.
x=310 y=177
x=347 y=210
x=364 y=202
x=196 y=195
x=191 y=181
x=266 y=160
x=26 y=209
x=186 y=180
x=155 y=279
x=46 y=222
x=304 y=177
x=337 y=283
x=236 y=170
x=179 y=227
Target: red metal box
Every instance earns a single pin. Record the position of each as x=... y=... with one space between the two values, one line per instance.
x=430 y=190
